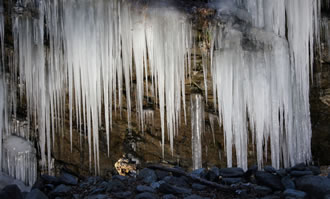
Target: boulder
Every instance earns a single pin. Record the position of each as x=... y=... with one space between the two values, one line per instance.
x=198 y=187
x=147 y=175
x=161 y=174
x=230 y=181
x=115 y=186
x=199 y=173
x=262 y=190
x=194 y=197
x=143 y=188
x=68 y=179
x=231 y=172
x=292 y=193
x=11 y=192
x=61 y=190
x=146 y=195
x=268 y=179
x=288 y=183
x=36 y=194
x=314 y=186
x=170 y=189
x=99 y=196
x=269 y=169
x=124 y=195
x=168 y=196
x=300 y=173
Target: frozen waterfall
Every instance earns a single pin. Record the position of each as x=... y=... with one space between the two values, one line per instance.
x=92 y=58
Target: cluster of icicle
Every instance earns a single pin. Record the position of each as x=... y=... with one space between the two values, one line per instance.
x=19 y=159
x=96 y=47
x=266 y=89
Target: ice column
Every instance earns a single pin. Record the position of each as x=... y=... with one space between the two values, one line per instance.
x=197 y=129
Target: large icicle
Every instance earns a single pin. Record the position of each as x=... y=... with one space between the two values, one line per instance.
x=197 y=129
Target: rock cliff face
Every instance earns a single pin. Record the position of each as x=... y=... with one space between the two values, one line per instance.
x=144 y=146
x=320 y=94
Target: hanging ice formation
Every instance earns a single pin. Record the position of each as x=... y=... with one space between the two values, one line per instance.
x=197 y=128
x=94 y=50
x=261 y=77
x=20 y=159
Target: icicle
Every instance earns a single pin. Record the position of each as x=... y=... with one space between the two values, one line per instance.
x=253 y=75
x=20 y=159
x=197 y=129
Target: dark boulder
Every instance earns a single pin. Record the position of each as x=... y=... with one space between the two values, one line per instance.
x=170 y=189
x=115 y=186
x=288 y=183
x=300 y=173
x=268 y=179
x=314 y=186
x=146 y=195
x=147 y=175
x=11 y=192
x=36 y=194
x=291 y=193
x=231 y=172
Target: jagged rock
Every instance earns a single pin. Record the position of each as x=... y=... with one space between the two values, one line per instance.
x=314 y=186
x=270 y=169
x=231 y=172
x=197 y=186
x=146 y=195
x=262 y=190
x=161 y=174
x=11 y=192
x=36 y=194
x=168 y=196
x=300 y=173
x=168 y=189
x=269 y=180
x=230 y=181
x=125 y=194
x=288 y=183
x=115 y=186
x=143 y=188
x=294 y=194
x=147 y=175
x=61 y=190
x=68 y=179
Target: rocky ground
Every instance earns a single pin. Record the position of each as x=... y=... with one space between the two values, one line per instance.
x=157 y=181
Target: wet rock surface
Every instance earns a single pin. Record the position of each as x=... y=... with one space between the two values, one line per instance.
x=269 y=183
